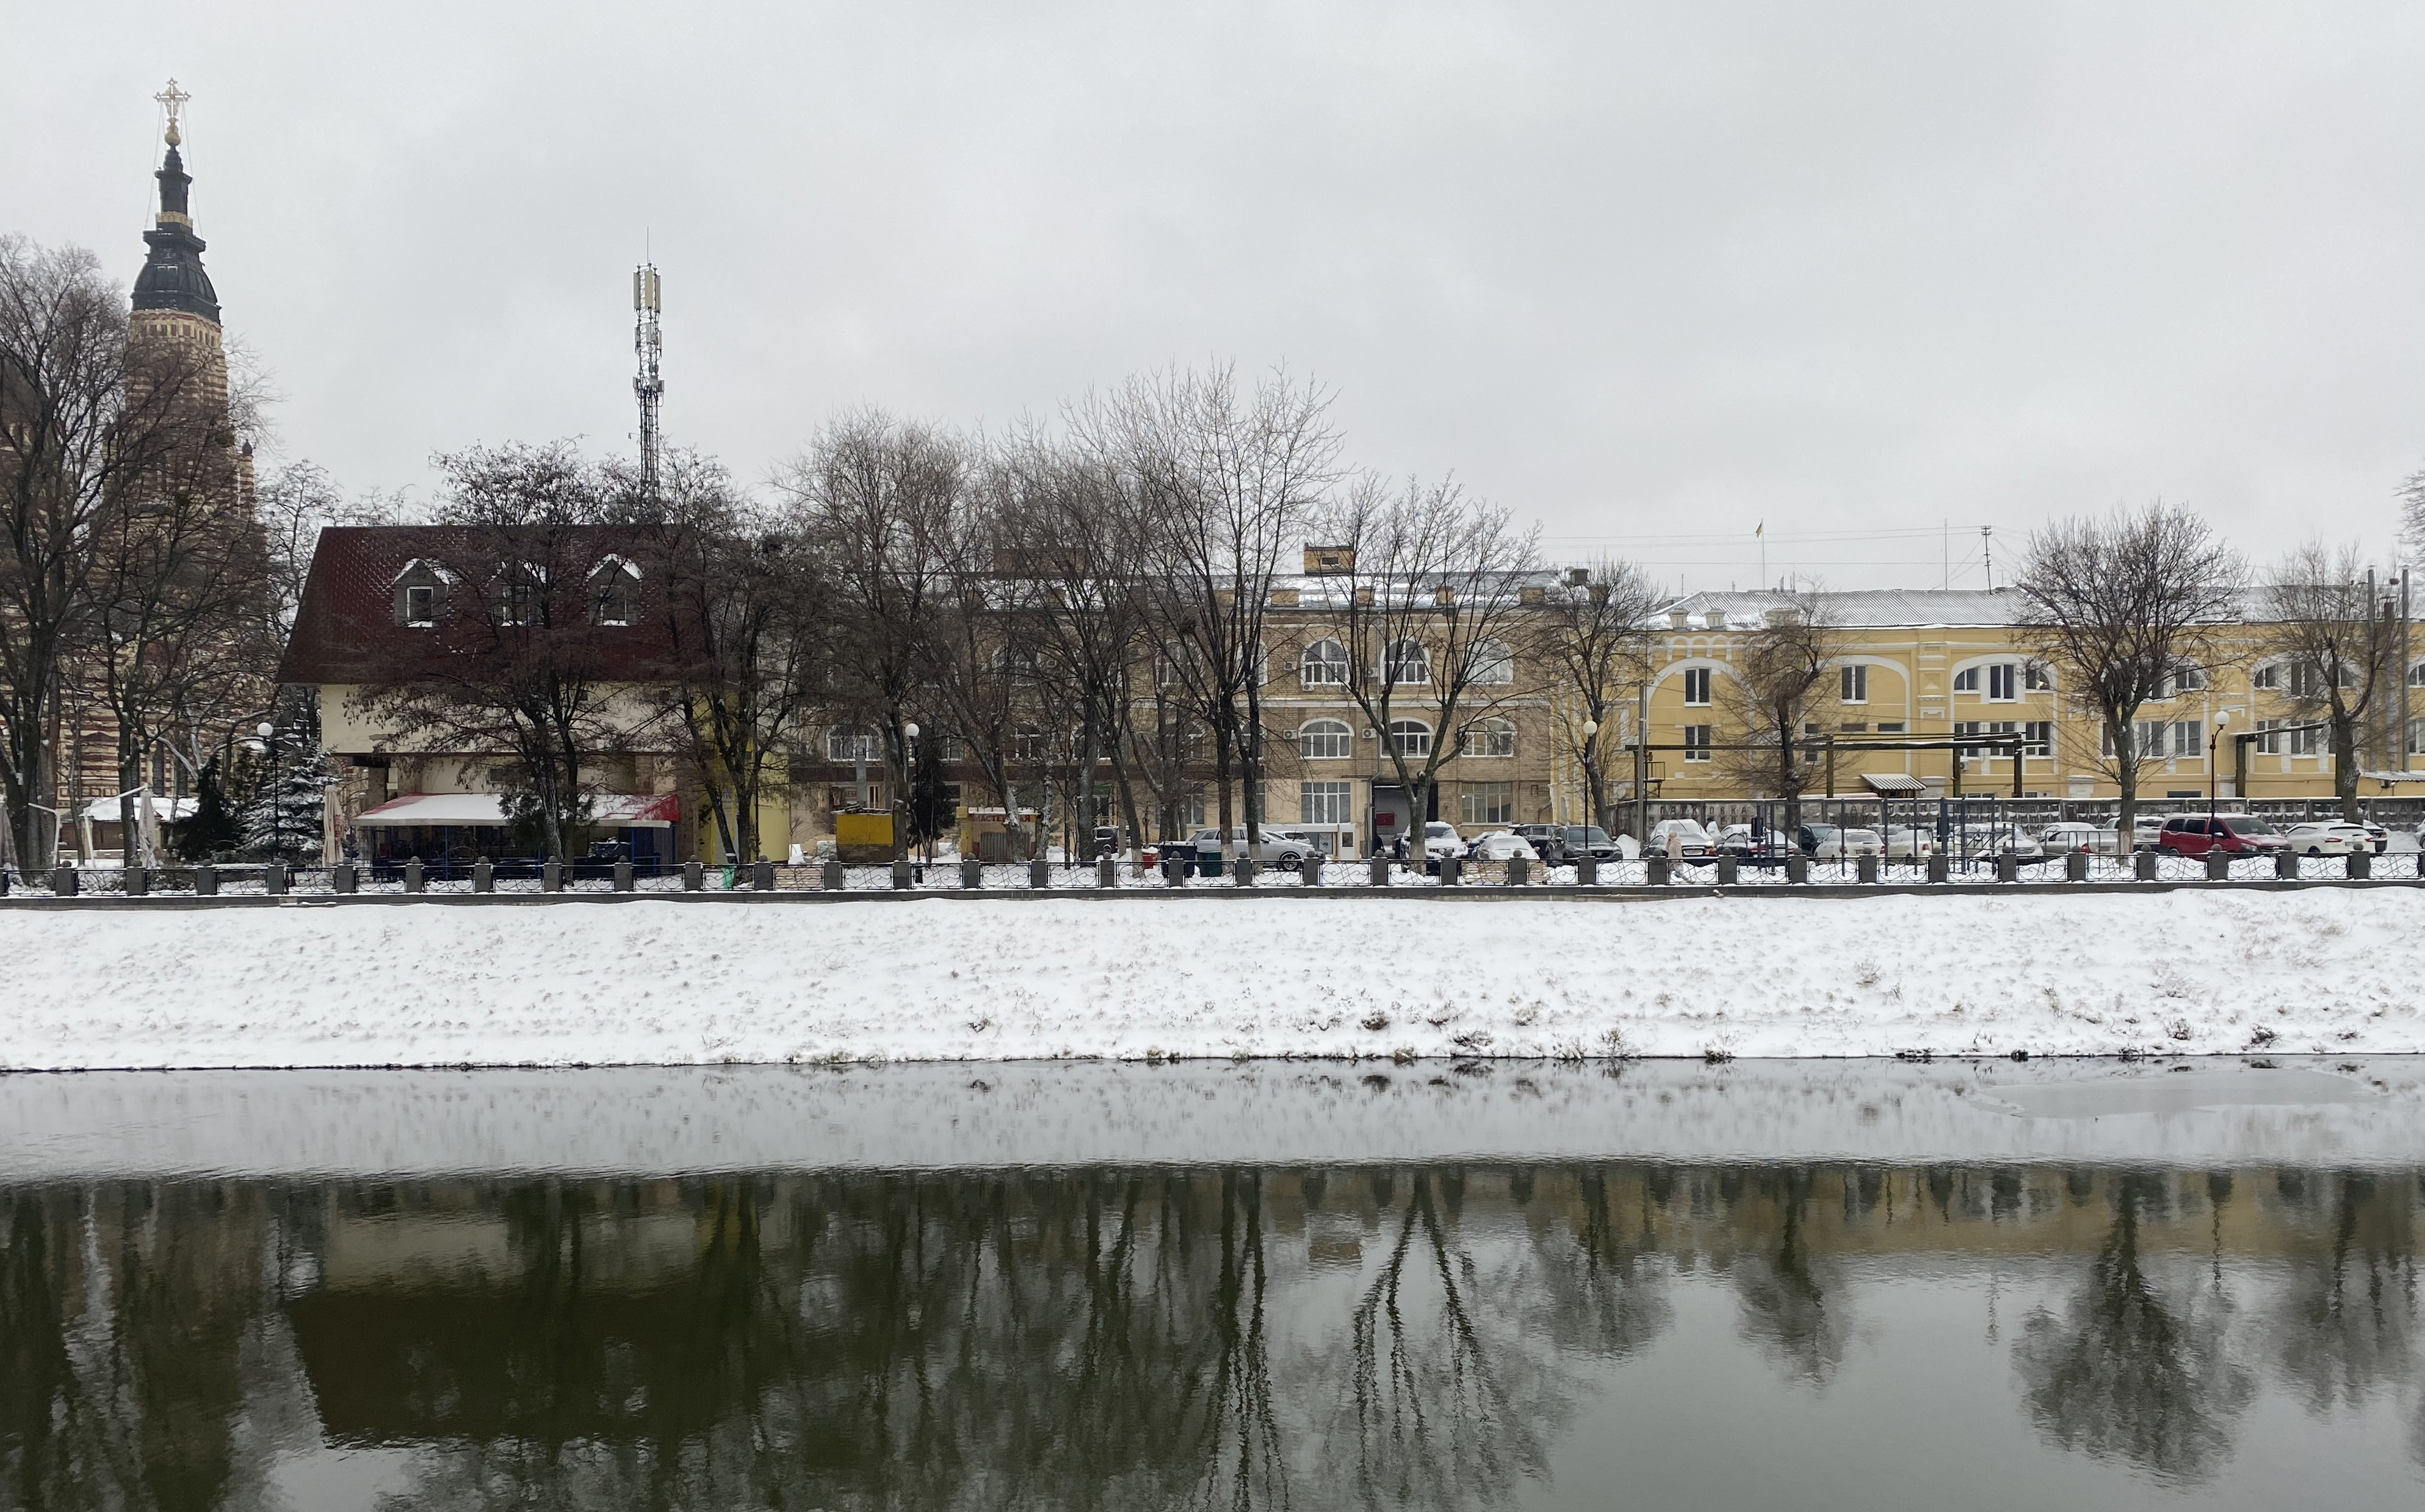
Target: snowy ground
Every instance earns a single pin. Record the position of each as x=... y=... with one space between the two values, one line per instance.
x=673 y=982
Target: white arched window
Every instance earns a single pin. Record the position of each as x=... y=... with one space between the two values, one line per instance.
x=1411 y=736
x=1407 y=662
x=846 y=745
x=1324 y=740
x=1494 y=663
x=1487 y=738
x=2416 y=676
x=1325 y=666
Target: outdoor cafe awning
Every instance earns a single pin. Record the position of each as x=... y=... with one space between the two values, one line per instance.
x=1894 y=784
x=612 y=811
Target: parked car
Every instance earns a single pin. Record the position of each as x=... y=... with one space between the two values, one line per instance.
x=1502 y=845
x=1440 y=842
x=1765 y=848
x=1275 y=849
x=2327 y=838
x=2063 y=837
x=2232 y=833
x=2381 y=836
x=1562 y=844
x=2143 y=831
x=1986 y=842
x=1692 y=842
x=1832 y=842
x=1910 y=844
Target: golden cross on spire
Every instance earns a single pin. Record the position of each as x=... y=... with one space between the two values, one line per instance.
x=175 y=99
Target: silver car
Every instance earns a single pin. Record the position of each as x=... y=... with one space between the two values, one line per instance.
x=1276 y=849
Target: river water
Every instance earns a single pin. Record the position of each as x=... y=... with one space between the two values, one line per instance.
x=1844 y=1285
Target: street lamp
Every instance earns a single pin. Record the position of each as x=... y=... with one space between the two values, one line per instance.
x=268 y=734
x=909 y=789
x=2213 y=744
x=1591 y=778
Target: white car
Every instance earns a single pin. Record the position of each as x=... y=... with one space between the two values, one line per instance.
x=1830 y=842
x=1502 y=845
x=1910 y=843
x=2069 y=835
x=1982 y=842
x=2327 y=838
x=1277 y=848
x=1692 y=842
x=1441 y=841
x=2144 y=829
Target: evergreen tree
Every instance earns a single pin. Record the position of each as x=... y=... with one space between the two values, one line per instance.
x=284 y=820
x=211 y=830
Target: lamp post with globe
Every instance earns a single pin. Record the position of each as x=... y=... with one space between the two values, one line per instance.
x=909 y=794
x=269 y=733
x=1591 y=772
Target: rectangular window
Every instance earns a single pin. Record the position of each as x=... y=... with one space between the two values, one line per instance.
x=2308 y=741
x=1853 y=729
x=421 y=606
x=1969 y=726
x=1854 y=681
x=2189 y=738
x=1696 y=687
x=2187 y=680
x=1697 y=743
x=1324 y=803
x=2038 y=738
x=1967 y=681
x=1190 y=809
x=2416 y=737
x=2269 y=739
x=2001 y=683
x=1490 y=802
x=2036 y=678
x=1891 y=727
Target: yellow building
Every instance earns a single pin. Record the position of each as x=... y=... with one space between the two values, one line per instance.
x=1927 y=666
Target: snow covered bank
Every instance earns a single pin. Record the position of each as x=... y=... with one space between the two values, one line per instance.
x=2325 y=970
x=656 y=1121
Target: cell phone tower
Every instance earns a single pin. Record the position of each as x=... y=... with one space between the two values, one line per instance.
x=646 y=301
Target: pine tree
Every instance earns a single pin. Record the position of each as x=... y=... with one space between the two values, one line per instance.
x=283 y=819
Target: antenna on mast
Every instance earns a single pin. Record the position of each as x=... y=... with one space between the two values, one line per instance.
x=1987 y=553
x=646 y=301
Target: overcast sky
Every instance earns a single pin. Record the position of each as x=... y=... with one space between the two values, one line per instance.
x=1651 y=274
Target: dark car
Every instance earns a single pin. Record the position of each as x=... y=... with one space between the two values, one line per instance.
x=1561 y=845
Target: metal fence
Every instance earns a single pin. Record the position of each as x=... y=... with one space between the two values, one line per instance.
x=949 y=875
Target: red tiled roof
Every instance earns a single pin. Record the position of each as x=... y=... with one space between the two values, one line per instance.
x=346 y=631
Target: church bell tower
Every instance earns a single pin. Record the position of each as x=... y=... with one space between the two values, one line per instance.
x=174 y=303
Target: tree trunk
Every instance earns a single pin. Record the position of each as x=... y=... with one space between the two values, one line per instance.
x=2346 y=764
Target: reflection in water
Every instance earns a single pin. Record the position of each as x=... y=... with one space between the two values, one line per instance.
x=1420 y=1336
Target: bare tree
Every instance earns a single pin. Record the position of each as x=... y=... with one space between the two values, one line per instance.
x=2336 y=645
x=1226 y=482
x=535 y=636
x=978 y=661
x=1591 y=638
x=1070 y=521
x=877 y=496
x=92 y=439
x=1428 y=600
x=1780 y=687
x=2118 y=605
x=747 y=643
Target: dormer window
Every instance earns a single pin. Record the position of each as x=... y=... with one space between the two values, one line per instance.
x=614 y=592
x=420 y=595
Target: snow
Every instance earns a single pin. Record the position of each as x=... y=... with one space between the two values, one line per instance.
x=1150 y=975
x=648 y=1120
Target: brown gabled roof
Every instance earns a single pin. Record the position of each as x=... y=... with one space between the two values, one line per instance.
x=346 y=630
